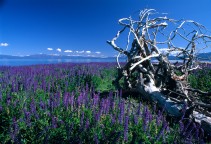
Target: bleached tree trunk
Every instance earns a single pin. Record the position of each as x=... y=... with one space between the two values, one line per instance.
x=163 y=82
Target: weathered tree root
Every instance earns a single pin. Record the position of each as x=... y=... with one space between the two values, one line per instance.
x=163 y=82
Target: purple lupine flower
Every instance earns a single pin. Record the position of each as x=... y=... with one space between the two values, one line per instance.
x=49 y=87
x=108 y=103
x=15 y=103
x=14 y=130
x=98 y=115
x=158 y=118
x=154 y=108
x=145 y=118
x=120 y=93
x=71 y=100
x=57 y=98
x=42 y=105
x=95 y=100
x=128 y=108
x=165 y=124
x=54 y=122
x=8 y=100
x=13 y=87
x=35 y=85
x=126 y=128
x=87 y=124
x=139 y=109
x=113 y=119
x=181 y=126
x=135 y=119
x=80 y=100
x=27 y=117
x=113 y=105
x=96 y=139
x=82 y=119
x=0 y=96
x=33 y=106
x=122 y=110
x=65 y=100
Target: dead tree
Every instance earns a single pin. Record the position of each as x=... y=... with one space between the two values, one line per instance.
x=151 y=40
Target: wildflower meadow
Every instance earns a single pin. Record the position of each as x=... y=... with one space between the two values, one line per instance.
x=63 y=103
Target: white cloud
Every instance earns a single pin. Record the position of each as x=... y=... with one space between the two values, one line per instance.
x=59 y=50
x=80 y=52
x=50 y=49
x=4 y=44
x=68 y=51
x=88 y=52
x=98 y=52
x=166 y=51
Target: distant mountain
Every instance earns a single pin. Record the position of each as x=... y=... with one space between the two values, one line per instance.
x=202 y=56
x=205 y=56
x=45 y=56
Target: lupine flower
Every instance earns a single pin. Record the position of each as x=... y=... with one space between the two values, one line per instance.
x=126 y=128
x=8 y=100
x=120 y=93
x=27 y=117
x=108 y=103
x=54 y=122
x=158 y=118
x=95 y=100
x=80 y=100
x=87 y=124
x=113 y=105
x=33 y=106
x=181 y=126
x=96 y=139
x=135 y=119
x=154 y=108
x=82 y=119
x=162 y=130
x=113 y=119
x=128 y=108
x=0 y=96
x=42 y=105
x=139 y=109
x=145 y=118
x=98 y=115
x=122 y=110
x=14 y=130
x=65 y=100
x=71 y=100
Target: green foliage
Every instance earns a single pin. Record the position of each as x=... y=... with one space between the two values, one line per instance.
x=201 y=79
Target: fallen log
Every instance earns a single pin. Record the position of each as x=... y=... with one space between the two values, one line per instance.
x=164 y=83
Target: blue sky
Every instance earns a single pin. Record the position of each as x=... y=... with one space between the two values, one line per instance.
x=79 y=26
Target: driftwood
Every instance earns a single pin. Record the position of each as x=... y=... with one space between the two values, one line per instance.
x=149 y=72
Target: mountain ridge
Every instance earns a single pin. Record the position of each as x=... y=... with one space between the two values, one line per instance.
x=201 y=56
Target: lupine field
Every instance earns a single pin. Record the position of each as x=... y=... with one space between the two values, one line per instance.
x=62 y=103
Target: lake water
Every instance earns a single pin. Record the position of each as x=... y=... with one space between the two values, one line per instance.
x=22 y=62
